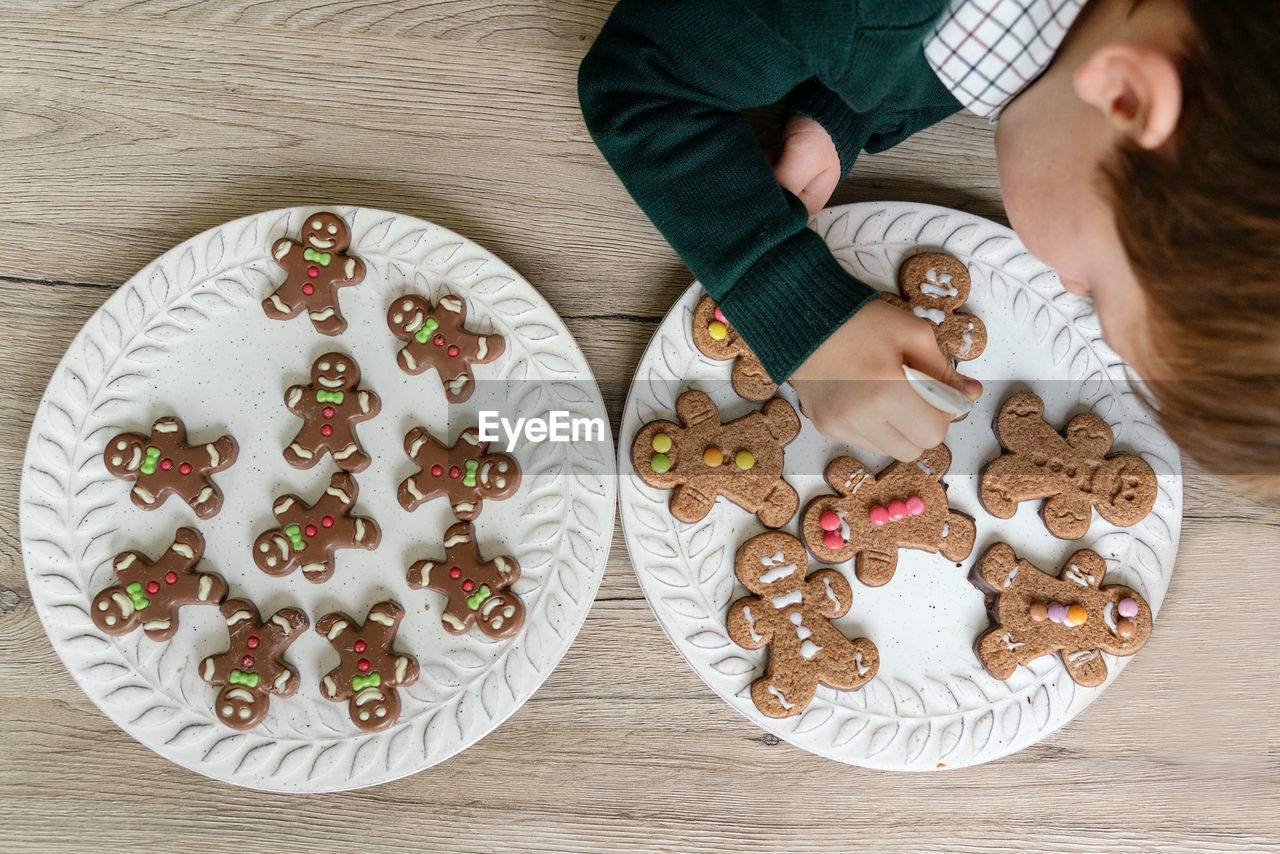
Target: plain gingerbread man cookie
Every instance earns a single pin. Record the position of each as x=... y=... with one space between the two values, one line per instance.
x=315 y=269
x=438 y=338
x=309 y=534
x=465 y=473
x=330 y=408
x=163 y=464
x=150 y=593
x=741 y=460
x=370 y=670
x=1070 y=469
x=478 y=590
x=1035 y=614
x=791 y=612
x=252 y=669
x=933 y=287
x=905 y=506
x=716 y=339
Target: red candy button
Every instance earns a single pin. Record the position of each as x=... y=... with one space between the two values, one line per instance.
x=153 y=586
x=363 y=665
x=166 y=464
x=454 y=572
x=439 y=340
x=437 y=470
x=326 y=430
x=247 y=661
x=897 y=510
x=361 y=646
x=311 y=530
x=454 y=471
x=308 y=289
x=915 y=505
x=453 y=351
x=170 y=577
x=327 y=412
x=185 y=468
x=252 y=642
x=312 y=271
x=879 y=515
x=830 y=521
x=327 y=521
x=833 y=540
x=468 y=586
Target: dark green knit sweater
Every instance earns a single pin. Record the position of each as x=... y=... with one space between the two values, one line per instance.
x=661 y=89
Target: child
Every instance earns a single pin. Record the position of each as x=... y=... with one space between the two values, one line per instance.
x=1138 y=156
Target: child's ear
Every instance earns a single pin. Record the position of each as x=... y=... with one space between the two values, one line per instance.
x=1137 y=89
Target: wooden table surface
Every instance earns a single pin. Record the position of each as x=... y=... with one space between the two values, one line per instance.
x=131 y=125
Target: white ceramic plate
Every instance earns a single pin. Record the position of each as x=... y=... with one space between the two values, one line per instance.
x=931 y=705
x=187 y=336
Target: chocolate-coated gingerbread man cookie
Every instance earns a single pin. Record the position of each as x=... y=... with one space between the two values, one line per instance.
x=741 y=460
x=716 y=339
x=369 y=670
x=791 y=612
x=1071 y=469
x=309 y=534
x=905 y=506
x=150 y=593
x=253 y=668
x=163 y=463
x=478 y=590
x=933 y=286
x=316 y=268
x=437 y=338
x=330 y=408
x=466 y=473
x=1035 y=614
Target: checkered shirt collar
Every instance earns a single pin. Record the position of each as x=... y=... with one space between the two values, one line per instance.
x=987 y=51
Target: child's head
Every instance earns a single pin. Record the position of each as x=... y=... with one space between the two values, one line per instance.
x=1144 y=166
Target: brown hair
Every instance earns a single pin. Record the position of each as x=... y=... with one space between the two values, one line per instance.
x=1200 y=221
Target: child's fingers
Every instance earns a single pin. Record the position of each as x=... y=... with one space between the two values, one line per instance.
x=893 y=442
x=921 y=352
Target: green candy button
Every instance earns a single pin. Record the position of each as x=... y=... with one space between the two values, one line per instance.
x=660 y=463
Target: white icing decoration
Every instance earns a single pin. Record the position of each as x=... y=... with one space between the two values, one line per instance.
x=183 y=549
x=136 y=460
x=1083 y=656
x=156 y=625
x=330 y=688
x=1013 y=573
x=946 y=529
x=857 y=662
x=464 y=507
x=966 y=344
x=455 y=539
x=1009 y=642
x=456 y=384
x=324 y=314
x=281 y=622
x=1109 y=617
x=144 y=494
x=938 y=286
x=279 y=304
x=208 y=669
x=205 y=495
x=452 y=620
x=924 y=467
x=165 y=425
x=240 y=694
x=795 y=597
x=809 y=649
x=126 y=561
x=382 y=618
x=831 y=594
x=751 y=625
x=214 y=456
x=482 y=348
x=301 y=451
x=933 y=315
x=412 y=486
x=1074 y=573
x=359 y=529
x=338 y=494
x=124 y=602
x=281 y=680
x=338 y=627
x=409 y=361
x=206 y=587
x=781 y=699
x=345 y=452
x=402 y=664
x=451 y=304
x=775 y=560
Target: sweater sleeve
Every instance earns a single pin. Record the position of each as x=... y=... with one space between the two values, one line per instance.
x=661 y=91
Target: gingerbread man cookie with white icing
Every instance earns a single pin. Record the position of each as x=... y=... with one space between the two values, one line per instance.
x=315 y=269
x=163 y=464
x=330 y=408
x=436 y=337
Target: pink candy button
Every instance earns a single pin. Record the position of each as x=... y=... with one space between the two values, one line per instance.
x=1127 y=608
x=897 y=510
x=720 y=315
x=833 y=540
x=879 y=515
x=829 y=521
x=915 y=505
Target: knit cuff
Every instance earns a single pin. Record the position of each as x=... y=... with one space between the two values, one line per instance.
x=828 y=109
x=791 y=300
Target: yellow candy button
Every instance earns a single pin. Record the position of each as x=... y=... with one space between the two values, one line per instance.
x=1077 y=615
x=712 y=457
x=744 y=460
x=717 y=330
x=661 y=442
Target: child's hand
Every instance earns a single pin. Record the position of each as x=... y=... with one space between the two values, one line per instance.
x=853 y=390
x=809 y=165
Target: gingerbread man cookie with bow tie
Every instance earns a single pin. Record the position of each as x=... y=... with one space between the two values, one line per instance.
x=309 y=534
x=369 y=670
x=252 y=670
x=478 y=590
x=315 y=269
x=330 y=408
x=437 y=337
x=163 y=464
x=467 y=474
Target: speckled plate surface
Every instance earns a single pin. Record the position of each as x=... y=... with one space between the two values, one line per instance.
x=931 y=705
x=187 y=336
